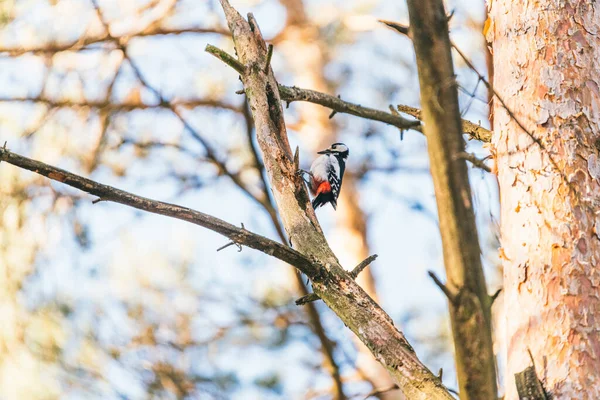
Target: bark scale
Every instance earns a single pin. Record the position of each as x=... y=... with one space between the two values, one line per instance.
x=546 y=56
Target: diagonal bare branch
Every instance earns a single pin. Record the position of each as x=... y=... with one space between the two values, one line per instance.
x=290 y=94
x=111 y=194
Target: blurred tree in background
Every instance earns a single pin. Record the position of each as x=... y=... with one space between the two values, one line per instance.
x=99 y=301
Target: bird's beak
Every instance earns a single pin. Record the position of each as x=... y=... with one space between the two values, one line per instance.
x=327 y=151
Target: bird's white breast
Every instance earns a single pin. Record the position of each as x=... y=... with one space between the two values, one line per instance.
x=321 y=164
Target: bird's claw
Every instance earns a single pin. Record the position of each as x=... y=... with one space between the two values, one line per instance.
x=301 y=172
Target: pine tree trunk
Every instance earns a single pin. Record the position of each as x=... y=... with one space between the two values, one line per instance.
x=546 y=70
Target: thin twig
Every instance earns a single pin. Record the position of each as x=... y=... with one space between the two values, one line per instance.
x=309 y=298
x=395 y=112
x=81 y=43
x=451 y=297
x=239 y=246
x=403 y=29
x=297 y=159
x=226 y=58
x=472 y=158
x=111 y=106
x=353 y=274
x=495 y=296
x=363 y=264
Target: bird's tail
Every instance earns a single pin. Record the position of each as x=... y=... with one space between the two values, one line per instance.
x=318 y=201
x=322 y=199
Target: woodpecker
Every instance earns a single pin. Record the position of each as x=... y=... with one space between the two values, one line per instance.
x=326 y=174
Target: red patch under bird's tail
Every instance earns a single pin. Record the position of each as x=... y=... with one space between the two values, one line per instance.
x=324 y=187
x=324 y=196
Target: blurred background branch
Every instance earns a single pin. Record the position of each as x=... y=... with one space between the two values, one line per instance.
x=126 y=301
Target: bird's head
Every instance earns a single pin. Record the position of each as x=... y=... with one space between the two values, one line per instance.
x=339 y=149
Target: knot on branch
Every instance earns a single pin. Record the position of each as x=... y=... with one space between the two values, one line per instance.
x=353 y=274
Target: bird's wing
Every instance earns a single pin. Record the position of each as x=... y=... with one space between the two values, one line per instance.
x=333 y=176
x=319 y=168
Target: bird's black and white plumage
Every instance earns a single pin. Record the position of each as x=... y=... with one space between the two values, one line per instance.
x=326 y=174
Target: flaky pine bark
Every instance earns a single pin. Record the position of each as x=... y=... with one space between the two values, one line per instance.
x=546 y=56
x=466 y=289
